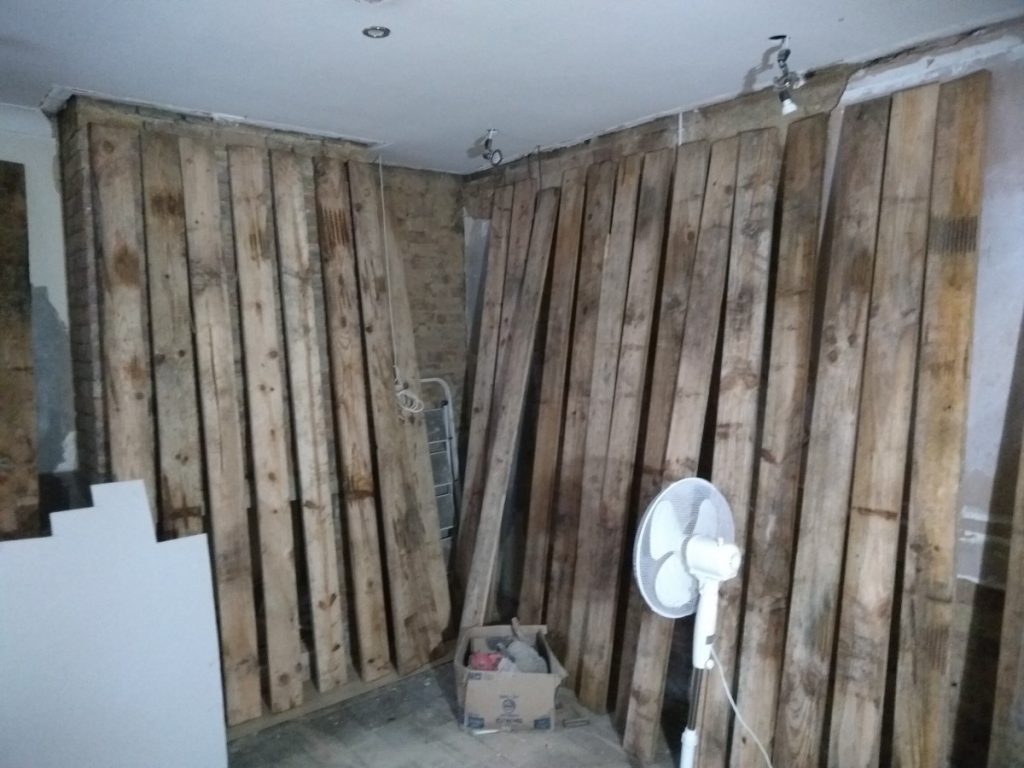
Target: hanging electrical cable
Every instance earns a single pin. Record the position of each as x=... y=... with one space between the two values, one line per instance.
x=408 y=400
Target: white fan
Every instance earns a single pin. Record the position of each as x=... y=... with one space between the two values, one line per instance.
x=684 y=549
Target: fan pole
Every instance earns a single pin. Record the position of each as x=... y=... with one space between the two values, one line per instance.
x=688 y=753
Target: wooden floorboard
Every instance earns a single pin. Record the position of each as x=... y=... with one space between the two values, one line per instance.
x=883 y=432
x=127 y=383
x=327 y=607
x=771 y=540
x=558 y=338
x=739 y=389
x=351 y=419
x=515 y=373
x=222 y=434
x=921 y=727
x=596 y=229
x=691 y=170
x=686 y=425
x=417 y=634
x=819 y=551
x=613 y=516
x=256 y=261
x=174 y=385
x=611 y=309
x=483 y=382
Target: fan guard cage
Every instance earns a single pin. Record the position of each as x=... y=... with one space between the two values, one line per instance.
x=660 y=541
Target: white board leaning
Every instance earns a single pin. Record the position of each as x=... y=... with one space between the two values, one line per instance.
x=108 y=643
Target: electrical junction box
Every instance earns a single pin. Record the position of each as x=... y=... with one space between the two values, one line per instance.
x=507 y=701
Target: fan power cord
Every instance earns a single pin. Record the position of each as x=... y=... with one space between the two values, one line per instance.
x=735 y=709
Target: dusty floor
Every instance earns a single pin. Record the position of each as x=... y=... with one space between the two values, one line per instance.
x=411 y=724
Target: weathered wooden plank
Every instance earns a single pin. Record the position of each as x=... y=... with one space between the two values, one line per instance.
x=524 y=197
x=810 y=631
x=613 y=518
x=684 y=223
x=770 y=553
x=596 y=229
x=177 y=411
x=739 y=390
x=511 y=220
x=348 y=376
x=417 y=634
x=256 y=261
x=483 y=382
x=309 y=422
x=222 y=433
x=686 y=424
x=523 y=206
x=929 y=580
x=126 y=371
x=19 y=485
x=611 y=308
x=515 y=374
x=1006 y=746
x=414 y=433
x=883 y=432
x=548 y=443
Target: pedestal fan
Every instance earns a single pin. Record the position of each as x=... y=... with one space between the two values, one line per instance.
x=685 y=547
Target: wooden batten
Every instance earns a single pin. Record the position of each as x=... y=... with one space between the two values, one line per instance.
x=686 y=424
x=544 y=479
x=921 y=727
x=351 y=418
x=177 y=411
x=256 y=263
x=309 y=421
x=19 y=485
x=739 y=383
x=805 y=675
x=782 y=443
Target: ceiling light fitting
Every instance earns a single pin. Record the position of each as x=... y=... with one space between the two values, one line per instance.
x=490 y=153
x=787 y=81
x=376 y=32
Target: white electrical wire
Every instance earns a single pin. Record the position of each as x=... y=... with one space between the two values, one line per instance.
x=408 y=400
x=735 y=709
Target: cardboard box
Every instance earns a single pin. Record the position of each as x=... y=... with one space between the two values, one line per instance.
x=509 y=701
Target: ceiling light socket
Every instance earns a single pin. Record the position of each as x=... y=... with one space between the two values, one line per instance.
x=376 y=32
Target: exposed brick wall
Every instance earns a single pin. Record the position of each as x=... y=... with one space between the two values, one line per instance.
x=426 y=212
x=83 y=295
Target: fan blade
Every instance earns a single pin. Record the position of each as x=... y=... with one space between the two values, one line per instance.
x=665 y=534
x=707 y=520
x=672 y=584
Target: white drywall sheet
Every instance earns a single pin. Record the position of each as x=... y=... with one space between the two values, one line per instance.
x=108 y=644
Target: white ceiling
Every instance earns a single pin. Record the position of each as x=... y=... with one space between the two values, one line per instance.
x=544 y=72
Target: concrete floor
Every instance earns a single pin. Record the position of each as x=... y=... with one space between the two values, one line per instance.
x=412 y=724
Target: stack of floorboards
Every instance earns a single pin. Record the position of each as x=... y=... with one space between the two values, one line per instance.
x=254 y=319
x=698 y=323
